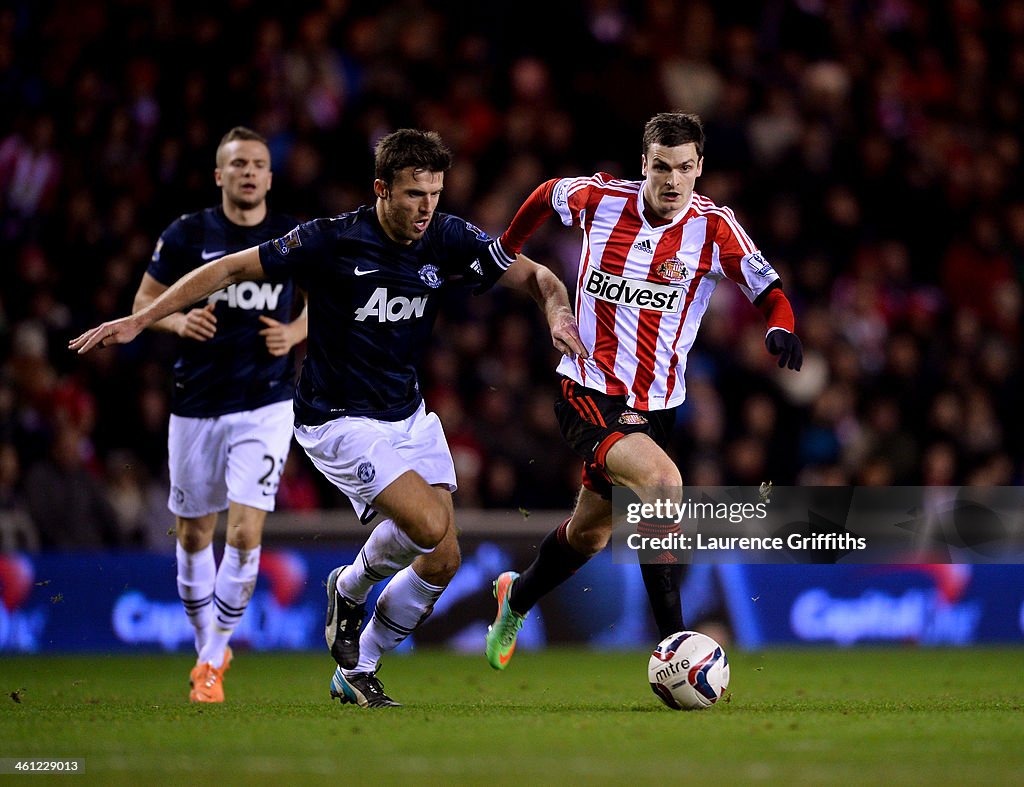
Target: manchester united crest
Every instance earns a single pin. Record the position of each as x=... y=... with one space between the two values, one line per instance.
x=431 y=276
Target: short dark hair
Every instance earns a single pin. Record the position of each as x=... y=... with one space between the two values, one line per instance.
x=672 y=129
x=240 y=132
x=409 y=147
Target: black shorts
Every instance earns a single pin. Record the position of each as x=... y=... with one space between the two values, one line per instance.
x=592 y=422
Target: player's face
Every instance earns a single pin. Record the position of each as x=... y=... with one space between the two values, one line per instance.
x=243 y=172
x=406 y=207
x=670 y=173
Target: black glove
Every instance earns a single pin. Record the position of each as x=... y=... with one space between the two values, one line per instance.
x=787 y=346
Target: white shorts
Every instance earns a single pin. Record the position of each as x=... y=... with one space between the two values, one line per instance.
x=237 y=457
x=361 y=456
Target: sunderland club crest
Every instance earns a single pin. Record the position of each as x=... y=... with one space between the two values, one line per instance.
x=673 y=270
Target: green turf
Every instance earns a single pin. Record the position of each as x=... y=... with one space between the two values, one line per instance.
x=900 y=716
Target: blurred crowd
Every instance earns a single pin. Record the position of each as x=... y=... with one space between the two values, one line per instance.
x=871 y=148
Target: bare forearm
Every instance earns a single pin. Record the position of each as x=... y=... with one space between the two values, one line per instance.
x=195 y=286
x=172 y=323
x=537 y=281
x=241 y=266
x=550 y=294
x=548 y=291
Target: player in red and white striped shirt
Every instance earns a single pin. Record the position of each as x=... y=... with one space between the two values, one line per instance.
x=653 y=252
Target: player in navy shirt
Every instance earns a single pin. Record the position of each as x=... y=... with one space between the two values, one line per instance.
x=368 y=338
x=209 y=371
x=373 y=278
x=230 y=423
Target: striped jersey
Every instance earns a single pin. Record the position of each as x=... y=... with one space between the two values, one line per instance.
x=642 y=289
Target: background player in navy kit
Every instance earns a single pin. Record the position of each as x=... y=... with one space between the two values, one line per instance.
x=372 y=278
x=231 y=422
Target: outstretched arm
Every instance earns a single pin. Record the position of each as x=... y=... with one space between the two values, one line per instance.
x=241 y=266
x=199 y=324
x=550 y=294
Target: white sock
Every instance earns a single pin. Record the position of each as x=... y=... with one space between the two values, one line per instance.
x=236 y=580
x=386 y=552
x=403 y=605
x=197 y=572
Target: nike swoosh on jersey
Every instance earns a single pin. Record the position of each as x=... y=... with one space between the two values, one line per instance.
x=212 y=255
x=363 y=273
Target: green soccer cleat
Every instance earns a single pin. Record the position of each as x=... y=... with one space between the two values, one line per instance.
x=501 y=635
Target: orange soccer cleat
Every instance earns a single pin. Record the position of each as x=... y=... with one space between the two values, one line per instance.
x=207 y=681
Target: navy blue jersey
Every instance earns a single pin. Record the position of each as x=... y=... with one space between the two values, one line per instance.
x=233 y=371
x=372 y=304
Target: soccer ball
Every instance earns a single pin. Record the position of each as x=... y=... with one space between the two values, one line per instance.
x=688 y=671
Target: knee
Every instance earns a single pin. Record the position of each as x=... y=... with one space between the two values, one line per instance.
x=190 y=540
x=246 y=531
x=193 y=536
x=663 y=477
x=669 y=478
x=441 y=565
x=427 y=527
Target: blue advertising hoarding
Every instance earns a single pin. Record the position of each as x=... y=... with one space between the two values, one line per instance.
x=126 y=602
x=944 y=604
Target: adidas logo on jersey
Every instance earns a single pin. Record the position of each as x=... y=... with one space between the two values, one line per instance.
x=630 y=292
x=396 y=309
x=644 y=246
x=249 y=295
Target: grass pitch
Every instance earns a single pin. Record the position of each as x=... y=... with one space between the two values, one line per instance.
x=893 y=716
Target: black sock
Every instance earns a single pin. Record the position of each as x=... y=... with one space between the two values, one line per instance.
x=556 y=561
x=662 y=583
